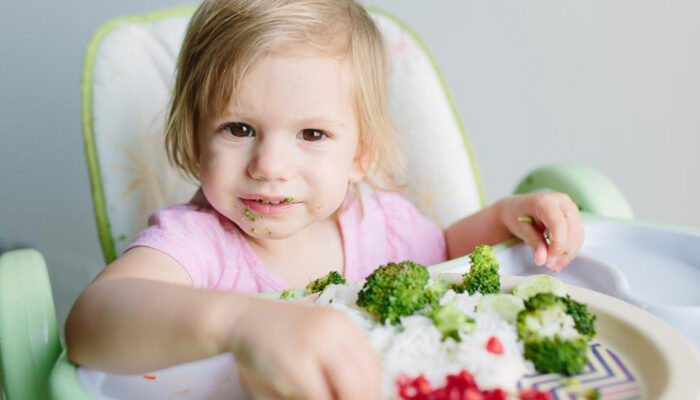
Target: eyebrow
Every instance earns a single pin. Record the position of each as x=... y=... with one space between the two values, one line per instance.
x=242 y=113
x=321 y=121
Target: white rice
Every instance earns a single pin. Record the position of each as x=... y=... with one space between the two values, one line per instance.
x=416 y=347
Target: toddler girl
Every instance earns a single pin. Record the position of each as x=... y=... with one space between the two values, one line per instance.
x=279 y=111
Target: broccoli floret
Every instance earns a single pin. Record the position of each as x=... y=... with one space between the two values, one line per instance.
x=395 y=290
x=333 y=278
x=554 y=330
x=450 y=321
x=585 y=322
x=483 y=275
x=557 y=355
x=544 y=305
x=434 y=292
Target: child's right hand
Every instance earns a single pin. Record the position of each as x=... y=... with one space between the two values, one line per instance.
x=301 y=351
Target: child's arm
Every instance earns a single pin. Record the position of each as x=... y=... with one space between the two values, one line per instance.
x=526 y=217
x=141 y=313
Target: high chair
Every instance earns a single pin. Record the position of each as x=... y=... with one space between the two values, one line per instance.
x=127 y=78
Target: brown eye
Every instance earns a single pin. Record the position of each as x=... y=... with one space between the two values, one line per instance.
x=312 y=135
x=239 y=129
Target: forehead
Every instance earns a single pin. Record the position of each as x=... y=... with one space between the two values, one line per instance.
x=296 y=83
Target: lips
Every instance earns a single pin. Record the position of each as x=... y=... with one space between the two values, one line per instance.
x=268 y=205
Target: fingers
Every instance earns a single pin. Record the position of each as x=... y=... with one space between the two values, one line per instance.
x=256 y=387
x=349 y=380
x=549 y=213
x=305 y=380
x=353 y=368
x=575 y=233
x=550 y=224
x=347 y=367
x=369 y=365
x=300 y=381
x=323 y=356
x=558 y=213
x=526 y=230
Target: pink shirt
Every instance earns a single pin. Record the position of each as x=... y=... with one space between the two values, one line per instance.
x=216 y=255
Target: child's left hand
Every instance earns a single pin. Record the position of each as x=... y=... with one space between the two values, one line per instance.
x=539 y=218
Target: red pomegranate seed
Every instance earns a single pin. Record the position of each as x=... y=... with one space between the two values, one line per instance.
x=472 y=394
x=403 y=380
x=408 y=392
x=494 y=345
x=457 y=387
x=453 y=393
x=534 y=394
x=543 y=396
x=422 y=384
x=496 y=394
x=467 y=379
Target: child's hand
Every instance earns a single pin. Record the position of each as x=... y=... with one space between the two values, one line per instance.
x=540 y=217
x=300 y=351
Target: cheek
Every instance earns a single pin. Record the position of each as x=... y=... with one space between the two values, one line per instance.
x=219 y=172
x=329 y=185
x=209 y=169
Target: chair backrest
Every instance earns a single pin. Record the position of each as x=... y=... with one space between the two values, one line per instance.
x=128 y=75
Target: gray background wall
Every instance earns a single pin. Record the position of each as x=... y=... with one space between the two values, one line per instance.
x=614 y=84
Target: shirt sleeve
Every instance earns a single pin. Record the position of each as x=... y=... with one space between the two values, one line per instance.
x=411 y=235
x=189 y=236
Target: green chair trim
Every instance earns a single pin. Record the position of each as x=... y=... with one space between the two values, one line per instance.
x=99 y=202
x=101 y=216
x=64 y=383
x=29 y=341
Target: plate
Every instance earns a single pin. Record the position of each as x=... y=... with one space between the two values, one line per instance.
x=635 y=355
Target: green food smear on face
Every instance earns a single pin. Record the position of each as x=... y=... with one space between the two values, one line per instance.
x=288 y=200
x=254 y=230
x=249 y=215
x=288 y=294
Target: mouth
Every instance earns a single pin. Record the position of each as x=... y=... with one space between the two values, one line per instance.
x=265 y=199
x=267 y=205
x=286 y=200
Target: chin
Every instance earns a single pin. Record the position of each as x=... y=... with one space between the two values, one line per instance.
x=261 y=231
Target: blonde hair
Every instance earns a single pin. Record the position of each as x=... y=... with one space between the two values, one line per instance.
x=224 y=40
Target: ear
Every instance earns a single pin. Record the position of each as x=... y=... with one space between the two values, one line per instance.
x=359 y=164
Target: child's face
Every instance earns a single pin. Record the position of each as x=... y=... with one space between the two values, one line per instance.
x=291 y=137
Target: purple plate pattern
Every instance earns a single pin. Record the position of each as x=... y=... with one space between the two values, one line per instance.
x=605 y=372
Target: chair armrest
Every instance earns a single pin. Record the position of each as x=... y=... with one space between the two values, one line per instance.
x=29 y=342
x=591 y=190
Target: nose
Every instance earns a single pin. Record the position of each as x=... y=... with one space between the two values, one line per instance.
x=273 y=159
